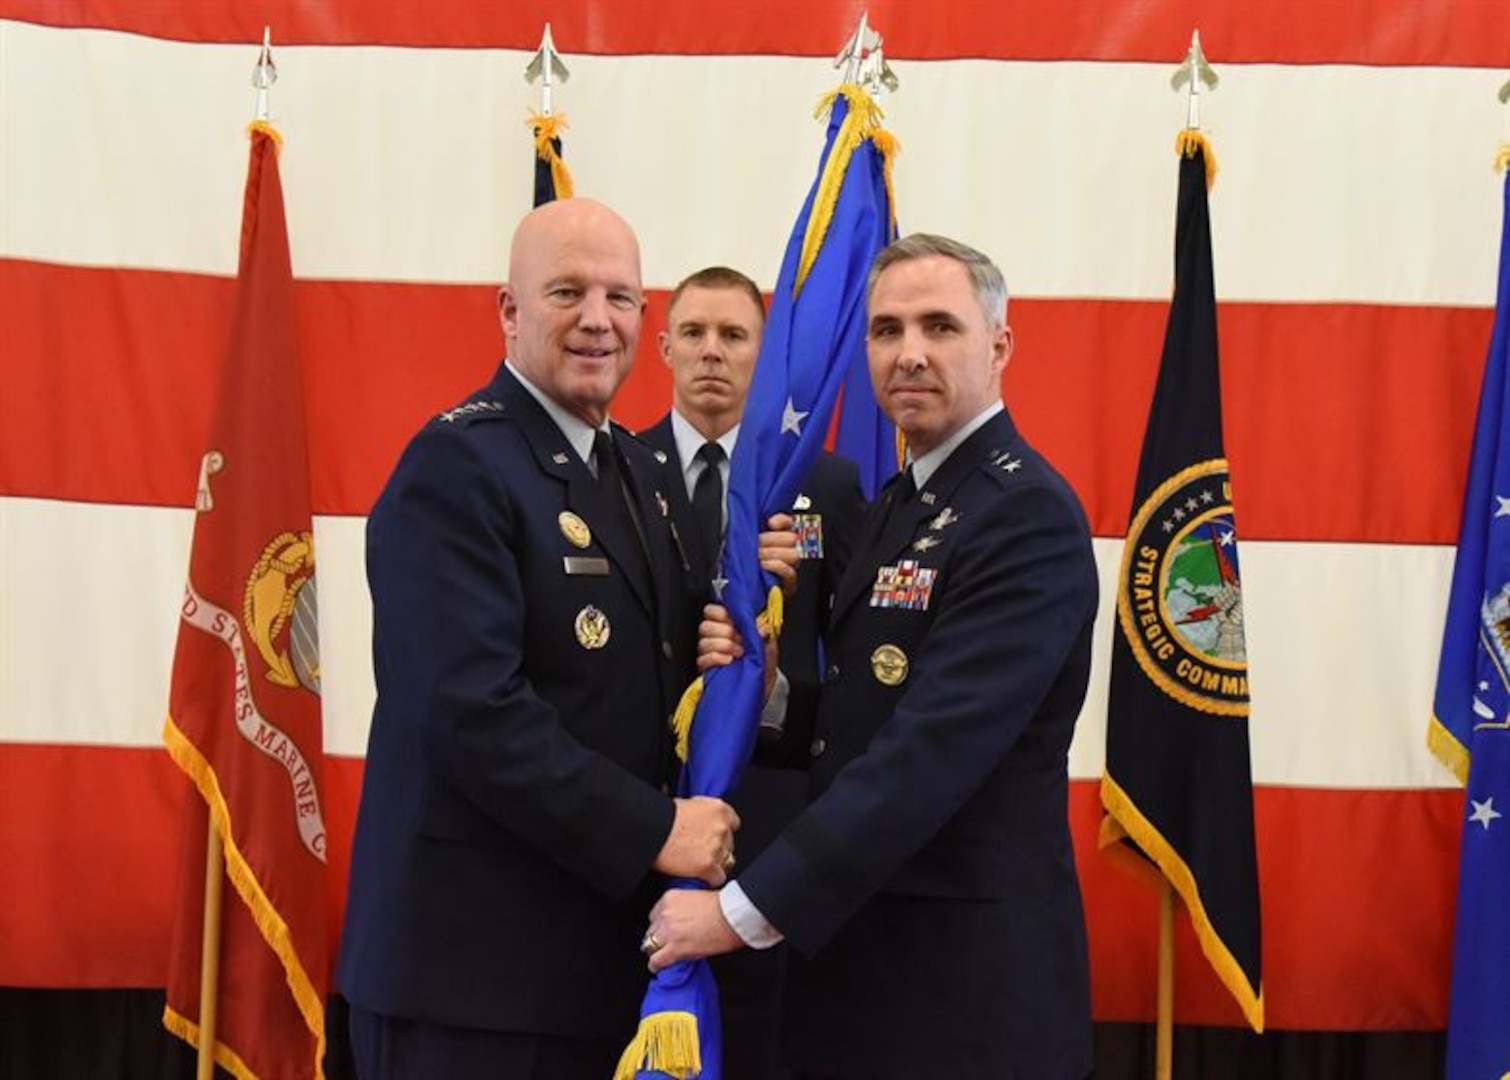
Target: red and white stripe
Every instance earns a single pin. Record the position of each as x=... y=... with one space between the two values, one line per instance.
x=1356 y=227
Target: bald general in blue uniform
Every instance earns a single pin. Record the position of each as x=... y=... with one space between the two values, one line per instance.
x=532 y=630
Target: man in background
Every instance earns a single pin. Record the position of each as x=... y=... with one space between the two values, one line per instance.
x=711 y=342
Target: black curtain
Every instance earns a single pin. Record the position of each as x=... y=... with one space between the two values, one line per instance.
x=118 y=1035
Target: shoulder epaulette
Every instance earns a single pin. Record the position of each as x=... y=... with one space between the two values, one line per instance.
x=470 y=411
x=1007 y=466
x=1003 y=461
x=620 y=429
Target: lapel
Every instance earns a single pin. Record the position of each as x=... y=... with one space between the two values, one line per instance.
x=648 y=482
x=557 y=459
x=687 y=536
x=902 y=525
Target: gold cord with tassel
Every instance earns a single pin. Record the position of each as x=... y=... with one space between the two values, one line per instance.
x=547 y=129
x=1188 y=142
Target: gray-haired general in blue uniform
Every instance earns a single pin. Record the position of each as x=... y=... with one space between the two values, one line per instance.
x=532 y=631
x=929 y=890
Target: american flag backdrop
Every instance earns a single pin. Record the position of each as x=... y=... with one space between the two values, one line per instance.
x=1355 y=220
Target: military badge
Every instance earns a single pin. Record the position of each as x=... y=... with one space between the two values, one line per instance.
x=809 y=529
x=923 y=543
x=802 y=502
x=279 y=611
x=471 y=409
x=1180 y=600
x=574 y=529
x=660 y=456
x=889 y=665
x=560 y=459
x=929 y=498
x=906 y=585
x=592 y=628
x=946 y=517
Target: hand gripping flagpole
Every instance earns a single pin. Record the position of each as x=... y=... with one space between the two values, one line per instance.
x=814 y=337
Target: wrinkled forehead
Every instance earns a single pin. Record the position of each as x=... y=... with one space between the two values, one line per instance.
x=575 y=239
x=921 y=286
x=718 y=303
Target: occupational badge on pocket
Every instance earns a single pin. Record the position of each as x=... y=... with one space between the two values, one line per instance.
x=592 y=628
x=889 y=665
x=574 y=529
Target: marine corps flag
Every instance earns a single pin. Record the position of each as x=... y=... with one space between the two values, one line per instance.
x=244 y=711
x=1470 y=729
x=1178 y=785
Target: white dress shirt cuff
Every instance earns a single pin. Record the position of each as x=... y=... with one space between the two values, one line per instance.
x=773 y=714
x=745 y=918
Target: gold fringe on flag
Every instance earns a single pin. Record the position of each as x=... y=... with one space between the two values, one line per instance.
x=768 y=622
x=666 y=1043
x=862 y=122
x=1439 y=739
x=547 y=128
x=264 y=912
x=681 y=720
x=1502 y=159
x=1188 y=142
x=267 y=129
x=1131 y=824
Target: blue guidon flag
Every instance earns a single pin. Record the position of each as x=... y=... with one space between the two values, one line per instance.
x=1178 y=787
x=814 y=341
x=1470 y=727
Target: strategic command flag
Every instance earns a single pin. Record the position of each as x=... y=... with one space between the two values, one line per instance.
x=1178 y=786
x=814 y=338
x=244 y=711
x=1470 y=728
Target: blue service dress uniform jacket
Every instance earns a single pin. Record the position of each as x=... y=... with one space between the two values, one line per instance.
x=528 y=650
x=930 y=887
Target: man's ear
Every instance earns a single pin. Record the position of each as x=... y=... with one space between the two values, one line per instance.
x=1001 y=349
x=508 y=310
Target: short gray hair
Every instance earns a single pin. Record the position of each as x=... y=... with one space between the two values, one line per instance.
x=985 y=275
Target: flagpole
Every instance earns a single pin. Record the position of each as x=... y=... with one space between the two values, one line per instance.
x=264 y=74
x=209 y=950
x=1189 y=76
x=1164 y=1040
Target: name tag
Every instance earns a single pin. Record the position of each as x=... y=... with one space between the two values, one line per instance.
x=589 y=565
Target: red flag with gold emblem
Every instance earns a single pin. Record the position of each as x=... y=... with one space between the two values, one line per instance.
x=244 y=712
